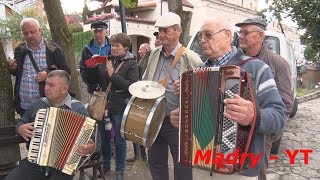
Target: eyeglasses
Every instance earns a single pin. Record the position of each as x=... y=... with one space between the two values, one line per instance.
x=208 y=35
x=246 y=33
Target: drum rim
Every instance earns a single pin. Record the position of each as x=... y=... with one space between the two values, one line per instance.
x=146 y=128
x=125 y=116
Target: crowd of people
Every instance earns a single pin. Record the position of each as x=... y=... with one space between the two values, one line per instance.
x=43 y=80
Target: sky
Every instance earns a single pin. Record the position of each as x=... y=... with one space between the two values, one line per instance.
x=71 y=6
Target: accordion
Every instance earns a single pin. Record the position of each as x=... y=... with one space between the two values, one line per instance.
x=204 y=131
x=56 y=137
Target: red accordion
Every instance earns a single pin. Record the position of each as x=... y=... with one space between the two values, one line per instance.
x=204 y=131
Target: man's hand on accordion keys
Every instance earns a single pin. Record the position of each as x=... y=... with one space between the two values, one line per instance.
x=87 y=149
x=25 y=131
x=239 y=110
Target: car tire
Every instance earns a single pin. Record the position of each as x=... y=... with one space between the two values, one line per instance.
x=276 y=146
x=294 y=109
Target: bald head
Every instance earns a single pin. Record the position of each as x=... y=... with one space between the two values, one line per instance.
x=216 y=37
x=143 y=49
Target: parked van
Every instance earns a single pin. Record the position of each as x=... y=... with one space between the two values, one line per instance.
x=274 y=41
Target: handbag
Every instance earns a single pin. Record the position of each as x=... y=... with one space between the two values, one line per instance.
x=98 y=102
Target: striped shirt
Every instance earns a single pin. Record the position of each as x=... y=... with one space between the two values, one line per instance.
x=29 y=88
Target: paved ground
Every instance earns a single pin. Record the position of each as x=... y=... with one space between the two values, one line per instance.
x=301 y=132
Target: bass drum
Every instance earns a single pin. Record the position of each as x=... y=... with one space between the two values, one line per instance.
x=142 y=120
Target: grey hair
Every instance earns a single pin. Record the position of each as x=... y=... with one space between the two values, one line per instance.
x=29 y=20
x=146 y=46
x=61 y=74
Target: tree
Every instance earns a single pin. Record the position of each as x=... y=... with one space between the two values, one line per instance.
x=176 y=7
x=11 y=152
x=10 y=27
x=306 y=14
x=62 y=36
x=311 y=54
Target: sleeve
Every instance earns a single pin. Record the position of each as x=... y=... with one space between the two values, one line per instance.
x=30 y=114
x=272 y=108
x=89 y=75
x=60 y=60
x=283 y=80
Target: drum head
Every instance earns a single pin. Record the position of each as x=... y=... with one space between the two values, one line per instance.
x=147 y=89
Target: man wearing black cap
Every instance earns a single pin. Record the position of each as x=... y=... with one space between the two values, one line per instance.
x=251 y=36
x=95 y=76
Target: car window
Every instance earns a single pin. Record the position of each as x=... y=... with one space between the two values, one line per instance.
x=272 y=43
x=196 y=47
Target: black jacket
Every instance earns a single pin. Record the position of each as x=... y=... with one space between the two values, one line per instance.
x=89 y=74
x=127 y=74
x=55 y=60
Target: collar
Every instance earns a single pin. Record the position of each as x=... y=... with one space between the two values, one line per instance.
x=66 y=101
x=222 y=60
x=39 y=46
x=174 y=51
x=96 y=45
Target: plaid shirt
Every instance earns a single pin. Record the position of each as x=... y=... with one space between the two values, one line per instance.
x=219 y=61
x=29 y=88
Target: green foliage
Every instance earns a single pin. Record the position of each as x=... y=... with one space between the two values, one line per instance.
x=74 y=28
x=306 y=14
x=311 y=54
x=10 y=27
x=80 y=40
x=129 y=4
x=261 y=13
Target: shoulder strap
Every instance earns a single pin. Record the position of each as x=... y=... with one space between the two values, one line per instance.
x=110 y=83
x=238 y=62
x=33 y=62
x=89 y=48
x=164 y=81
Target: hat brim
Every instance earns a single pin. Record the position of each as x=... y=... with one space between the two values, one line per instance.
x=99 y=28
x=256 y=24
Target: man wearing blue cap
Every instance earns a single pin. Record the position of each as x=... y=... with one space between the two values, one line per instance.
x=95 y=76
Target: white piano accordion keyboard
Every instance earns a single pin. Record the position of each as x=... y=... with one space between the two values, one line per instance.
x=57 y=135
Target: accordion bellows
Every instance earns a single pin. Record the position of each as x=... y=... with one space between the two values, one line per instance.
x=203 y=128
x=57 y=135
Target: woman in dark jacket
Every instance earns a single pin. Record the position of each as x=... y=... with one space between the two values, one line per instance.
x=127 y=74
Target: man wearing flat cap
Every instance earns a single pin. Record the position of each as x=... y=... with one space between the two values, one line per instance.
x=171 y=53
x=251 y=36
x=95 y=76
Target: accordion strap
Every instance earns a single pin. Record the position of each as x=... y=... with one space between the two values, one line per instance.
x=164 y=81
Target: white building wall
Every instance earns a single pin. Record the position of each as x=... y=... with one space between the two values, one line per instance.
x=232 y=11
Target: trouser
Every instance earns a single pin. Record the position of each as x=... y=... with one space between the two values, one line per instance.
x=31 y=171
x=269 y=139
x=142 y=150
x=106 y=148
x=158 y=154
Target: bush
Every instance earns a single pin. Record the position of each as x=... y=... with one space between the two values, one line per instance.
x=80 y=40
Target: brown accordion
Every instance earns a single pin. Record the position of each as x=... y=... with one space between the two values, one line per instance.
x=203 y=128
x=57 y=135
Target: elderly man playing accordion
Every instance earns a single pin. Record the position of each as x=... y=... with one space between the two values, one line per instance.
x=216 y=38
